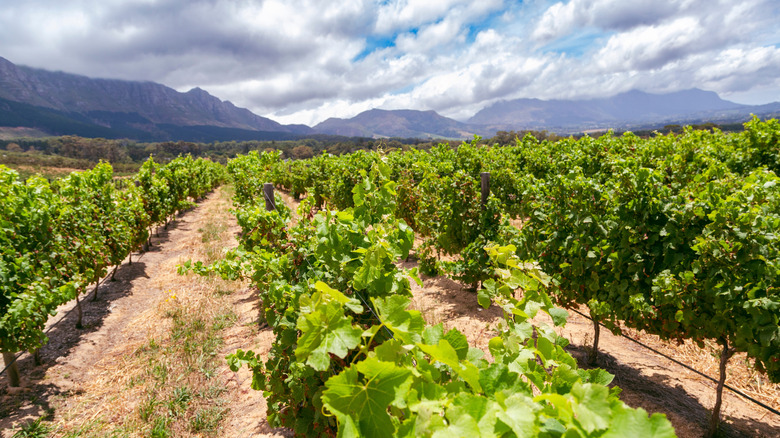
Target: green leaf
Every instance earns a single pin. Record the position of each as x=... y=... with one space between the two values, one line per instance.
x=325 y=331
x=444 y=353
x=592 y=408
x=635 y=423
x=347 y=427
x=350 y=303
x=364 y=392
x=519 y=416
x=405 y=324
x=459 y=342
x=484 y=297
x=559 y=316
x=433 y=333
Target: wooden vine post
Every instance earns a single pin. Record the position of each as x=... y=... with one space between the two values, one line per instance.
x=485 y=186
x=268 y=193
x=485 y=193
x=13 y=370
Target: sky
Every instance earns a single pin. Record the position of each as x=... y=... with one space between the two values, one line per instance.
x=302 y=61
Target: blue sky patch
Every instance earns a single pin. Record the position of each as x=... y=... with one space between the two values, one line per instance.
x=374 y=43
x=577 y=44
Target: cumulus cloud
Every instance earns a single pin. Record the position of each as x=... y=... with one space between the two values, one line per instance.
x=562 y=19
x=302 y=61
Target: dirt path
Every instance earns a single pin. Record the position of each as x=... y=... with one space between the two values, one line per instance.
x=83 y=384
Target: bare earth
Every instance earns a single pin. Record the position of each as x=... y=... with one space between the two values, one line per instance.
x=82 y=368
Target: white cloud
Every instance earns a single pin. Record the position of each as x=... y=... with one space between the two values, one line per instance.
x=562 y=19
x=651 y=47
x=402 y=15
x=739 y=70
x=297 y=60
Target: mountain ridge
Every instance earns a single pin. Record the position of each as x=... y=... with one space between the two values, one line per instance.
x=395 y=123
x=622 y=108
x=63 y=103
x=142 y=104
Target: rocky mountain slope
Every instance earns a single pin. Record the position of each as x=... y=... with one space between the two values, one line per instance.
x=145 y=107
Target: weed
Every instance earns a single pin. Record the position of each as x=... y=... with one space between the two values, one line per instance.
x=181 y=398
x=213 y=392
x=211 y=232
x=208 y=373
x=224 y=320
x=135 y=381
x=198 y=325
x=33 y=429
x=207 y=419
x=222 y=292
x=146 y=409
x=160 y=372
x=160 y=428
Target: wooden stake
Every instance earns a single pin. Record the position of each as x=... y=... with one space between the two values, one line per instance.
x=485 y=187
x=268 y=192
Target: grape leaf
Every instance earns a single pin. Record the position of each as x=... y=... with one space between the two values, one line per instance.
x=324 y=331
x=364 y=392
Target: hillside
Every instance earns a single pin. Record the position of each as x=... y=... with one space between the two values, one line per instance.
x=396 y=123
x=63 y=103
x=631 y=109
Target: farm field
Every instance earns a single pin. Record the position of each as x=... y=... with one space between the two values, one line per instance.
x=85 y=385
x=647 y=380
x=417 y=294
x=661 y=235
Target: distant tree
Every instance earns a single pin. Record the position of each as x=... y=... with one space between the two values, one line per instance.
x=13 y=147
x=503 y=138
x=302 y=152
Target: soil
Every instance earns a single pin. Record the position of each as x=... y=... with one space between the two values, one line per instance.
x=74 y=358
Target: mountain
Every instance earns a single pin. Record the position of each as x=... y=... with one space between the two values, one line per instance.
x=396 y=123
x=63 y=103
x=60 y=103
x=633 y=108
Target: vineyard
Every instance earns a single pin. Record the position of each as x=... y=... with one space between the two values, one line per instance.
x=675 y=235
x=58 y=238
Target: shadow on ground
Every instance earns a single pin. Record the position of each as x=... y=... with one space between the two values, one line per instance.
x=659 y=393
